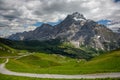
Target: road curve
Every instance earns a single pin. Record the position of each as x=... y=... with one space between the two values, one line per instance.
x=3 y=70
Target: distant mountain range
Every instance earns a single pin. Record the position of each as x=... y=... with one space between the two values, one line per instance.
x=114 y=25
x=76 y=29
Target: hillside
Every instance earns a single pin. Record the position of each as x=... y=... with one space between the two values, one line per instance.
x=5 y=50
x=54 y=46
x=56 y=64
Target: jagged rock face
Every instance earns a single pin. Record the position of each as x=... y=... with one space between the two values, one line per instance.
x=70 y=26
x=76 y=29
x=41 y=33
x=44 y=32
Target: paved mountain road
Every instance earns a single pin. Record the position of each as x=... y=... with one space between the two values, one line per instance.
x=3 y=70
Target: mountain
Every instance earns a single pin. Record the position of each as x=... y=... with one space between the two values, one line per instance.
x=77 y=30
x=114 y=25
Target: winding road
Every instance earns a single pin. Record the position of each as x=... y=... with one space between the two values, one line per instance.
x=3 y=70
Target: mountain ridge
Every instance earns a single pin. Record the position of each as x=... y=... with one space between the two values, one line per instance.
x=76 y=29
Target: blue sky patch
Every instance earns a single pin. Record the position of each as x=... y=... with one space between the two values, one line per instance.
x=104 y=22
x=117 y=0
x=38 y=24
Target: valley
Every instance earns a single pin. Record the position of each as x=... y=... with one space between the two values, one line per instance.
x=42 y=63
x=76 y=48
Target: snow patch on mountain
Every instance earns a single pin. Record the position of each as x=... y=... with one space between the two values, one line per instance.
x=78 y=17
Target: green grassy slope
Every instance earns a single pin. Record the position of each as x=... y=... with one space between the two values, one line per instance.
x=2 y=60
x=6 y=50
x=51 y=46
x=109 y=62
x=57 y=64
x=38 y=63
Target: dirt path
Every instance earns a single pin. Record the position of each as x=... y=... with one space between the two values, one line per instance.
x=3 y=70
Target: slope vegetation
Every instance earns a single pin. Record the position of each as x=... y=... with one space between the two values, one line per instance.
x=57 y=64
x=5 y=50
x=54 y=46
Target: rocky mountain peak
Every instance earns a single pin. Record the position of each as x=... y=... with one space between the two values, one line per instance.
x=77 y=30
x=77 y=16
x=74 y=17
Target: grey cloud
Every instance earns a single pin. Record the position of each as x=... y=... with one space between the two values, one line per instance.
x=60 y=6
x=21 y=12
x=10 y=17
x=43 y=9
x=3 y=25
x=116 y=15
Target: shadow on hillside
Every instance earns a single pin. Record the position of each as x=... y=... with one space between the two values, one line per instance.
x=48 y=47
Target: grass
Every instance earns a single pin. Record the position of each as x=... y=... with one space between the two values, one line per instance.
x=105 y=63
x=5 y=53
x=6 y=50
x=2 y=60
x=50 y=46
x=38 y=63
x=8 y=77
x=56 y=64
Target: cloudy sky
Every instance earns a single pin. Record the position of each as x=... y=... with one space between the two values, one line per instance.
x=21 y=15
